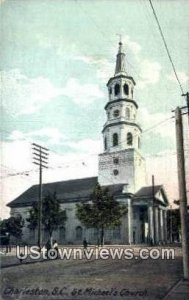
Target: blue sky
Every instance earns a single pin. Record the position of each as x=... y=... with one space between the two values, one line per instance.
x=56 y=58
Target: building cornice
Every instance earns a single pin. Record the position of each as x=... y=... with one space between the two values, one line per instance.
x=121 y=99
x=120 y=123
x=121 y=76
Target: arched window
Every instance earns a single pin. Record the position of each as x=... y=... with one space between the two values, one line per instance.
x=105 y=143
x=128 y=113
x=110 y=90
x=115 y=139
x=116 y=113
x=62 y=233
x=129 y=138
x=126 y=89
x=79 y=233
x=117 y=89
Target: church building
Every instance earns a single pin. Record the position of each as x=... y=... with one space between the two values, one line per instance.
x=121 y=169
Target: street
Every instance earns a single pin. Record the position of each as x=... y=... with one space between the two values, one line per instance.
x=90 y=279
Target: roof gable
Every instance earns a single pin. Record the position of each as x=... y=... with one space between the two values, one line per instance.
x=146 y=192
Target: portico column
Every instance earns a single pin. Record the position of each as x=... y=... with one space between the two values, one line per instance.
x=130 y=222
x=165 y=225
x=157 y=224
x=150 y=224
x=161 y=225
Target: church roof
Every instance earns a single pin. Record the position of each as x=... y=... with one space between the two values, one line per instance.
x=146 y=192
x=67 y=191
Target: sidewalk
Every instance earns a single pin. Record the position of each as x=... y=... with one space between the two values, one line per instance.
x=180 y=291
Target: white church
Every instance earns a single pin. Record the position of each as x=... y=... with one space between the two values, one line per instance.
x=121 y=169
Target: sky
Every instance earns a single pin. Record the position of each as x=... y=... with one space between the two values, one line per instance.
x=55 y=60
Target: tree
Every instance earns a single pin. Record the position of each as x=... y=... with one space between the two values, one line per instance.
x=12 y=227
x=101 y=212
x=52 y=215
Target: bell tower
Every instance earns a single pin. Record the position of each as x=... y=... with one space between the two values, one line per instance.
x=121 y=161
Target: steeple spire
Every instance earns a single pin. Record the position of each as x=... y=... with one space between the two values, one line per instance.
x=120 y=61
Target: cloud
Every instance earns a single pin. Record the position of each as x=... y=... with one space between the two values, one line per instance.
x=104 y=68
x=82 y=94
x=87 y=146
x=181 y=75
x=162 y=123
x=149 y=73
x=164 y=168
x=23 y=95
x=51 y=135
x=132 y=45
x=20 y=150
x=82 y=164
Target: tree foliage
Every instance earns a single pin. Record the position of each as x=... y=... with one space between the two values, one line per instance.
x=101 y=212
x=12 y=226
x=52 y=215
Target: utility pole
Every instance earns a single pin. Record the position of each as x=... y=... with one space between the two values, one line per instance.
x=153 y=199
x=171 y=225
x=40 y=159
x=182 y=190
x=187 y=102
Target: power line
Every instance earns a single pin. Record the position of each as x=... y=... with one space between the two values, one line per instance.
x=166 y=47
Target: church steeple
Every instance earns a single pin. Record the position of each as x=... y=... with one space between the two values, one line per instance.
x=121 y=161
x=120 y=61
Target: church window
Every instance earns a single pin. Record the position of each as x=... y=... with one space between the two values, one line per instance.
x=127 y=113
x=110 y=91
x=116 y=172
x=116 y=113
x=116 y=160
x=126 y=89
x=117 y=89
x=79 y=233
x=105 y=143
x=62 y=233
x=115 y=139
x=129 y=138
